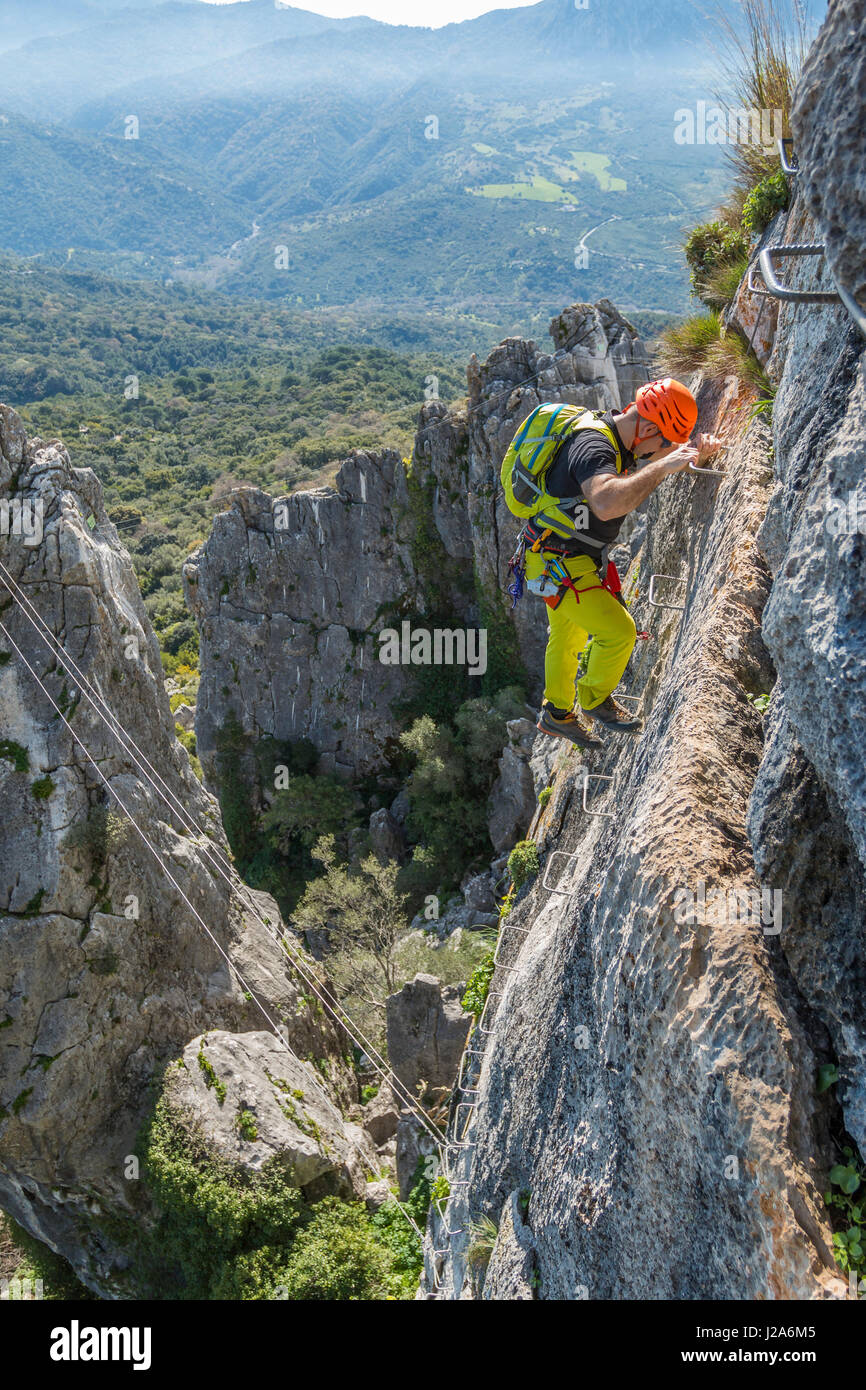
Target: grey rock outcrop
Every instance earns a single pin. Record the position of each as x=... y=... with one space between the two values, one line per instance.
x=427 y=1031
x=387 y=840
x=512 y=798
x=270 y=1108
x=380 y=1115
x=829 y=140
x=105 y=974
x=479 y=893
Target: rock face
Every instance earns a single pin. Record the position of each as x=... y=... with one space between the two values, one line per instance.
x=258 y=1104
x=427 y=1031
x=105 y=974
x=692 y=954
x=291 y=594
x=829 y=140
x=646 y=1069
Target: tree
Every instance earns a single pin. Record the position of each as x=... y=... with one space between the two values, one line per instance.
x=364 y=916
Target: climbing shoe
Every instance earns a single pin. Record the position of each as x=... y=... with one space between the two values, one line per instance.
x=610 y=715
x=566 y=724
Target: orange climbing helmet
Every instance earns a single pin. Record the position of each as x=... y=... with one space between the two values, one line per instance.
x=670 y=406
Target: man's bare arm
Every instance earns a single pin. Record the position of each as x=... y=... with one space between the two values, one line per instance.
x=610 y=496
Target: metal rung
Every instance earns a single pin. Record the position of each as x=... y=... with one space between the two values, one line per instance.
x=790 y=169
x=711 y=472
x=676 y=607
x=469 y=1106
x=469 y=1052
x=594 y=777
x=778 y=290
x=467 y=1090
x=629 y=699
x=563 y=892
x=460 y=1144
x=756 y=289
x=497 y=964
x=445 y=1227
x=487 y=1031
x=453 y=1145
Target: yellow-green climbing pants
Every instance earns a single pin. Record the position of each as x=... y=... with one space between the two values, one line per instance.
x=598 y=615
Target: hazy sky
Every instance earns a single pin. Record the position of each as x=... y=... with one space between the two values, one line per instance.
x=432 y=12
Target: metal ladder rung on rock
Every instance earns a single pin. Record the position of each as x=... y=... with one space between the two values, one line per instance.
x=595 y=777
x=497 y=963
x=467 y=1052
x=468 y=1106
x=774 y=287
x=654 y=602
x=843 y=296
x=485 y=1032
x=790 y=169
x=563 y=892
x=707 y=472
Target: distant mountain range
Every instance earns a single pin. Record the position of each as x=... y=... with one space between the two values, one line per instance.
x=269 y=151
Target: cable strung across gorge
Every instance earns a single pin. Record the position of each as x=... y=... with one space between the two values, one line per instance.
x=212 y=852
x=245 y=986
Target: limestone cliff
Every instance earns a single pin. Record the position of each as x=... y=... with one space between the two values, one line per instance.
x=105 y=974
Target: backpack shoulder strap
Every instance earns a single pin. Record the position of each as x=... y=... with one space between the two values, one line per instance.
x=592 y=421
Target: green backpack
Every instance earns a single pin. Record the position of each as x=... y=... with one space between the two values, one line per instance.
x=530 y=455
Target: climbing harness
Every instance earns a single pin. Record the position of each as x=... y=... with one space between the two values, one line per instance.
x=554 y=582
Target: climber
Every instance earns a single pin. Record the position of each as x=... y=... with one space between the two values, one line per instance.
x=574 y=487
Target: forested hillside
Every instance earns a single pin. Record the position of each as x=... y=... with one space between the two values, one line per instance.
x=284 y=155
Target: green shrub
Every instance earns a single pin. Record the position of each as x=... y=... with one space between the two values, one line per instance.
x=211 y=1080
x=849 y=1204
x=42 y=788
x=483 y=1236
x=273 y=849
x=225 y=1233
x=245 y=1124
x=478 y=986
x=455 y=768
x=523 y=862
x=766 y=199
x=544 y=796
x=39 y=1262
x=186 y=737
x=720 y=285
x=711 y=247
x=700 y=344
x=15 y=754
x=683 y=349
x=101 y=832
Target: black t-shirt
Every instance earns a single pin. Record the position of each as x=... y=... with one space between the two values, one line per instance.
x=582 y=457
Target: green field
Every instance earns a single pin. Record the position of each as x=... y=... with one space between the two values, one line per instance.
x=597 y=164
x=539 y=190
